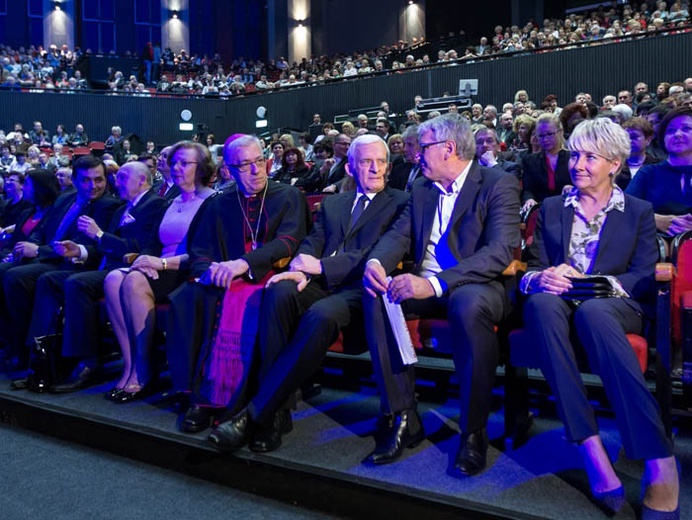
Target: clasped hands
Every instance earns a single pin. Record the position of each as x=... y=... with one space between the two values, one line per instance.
x=299 y=270
x=556 y=280
x=674 y=225
x=402 y=287
x=148 y=265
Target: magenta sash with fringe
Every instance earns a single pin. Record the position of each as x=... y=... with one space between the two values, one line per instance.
x=228 y=362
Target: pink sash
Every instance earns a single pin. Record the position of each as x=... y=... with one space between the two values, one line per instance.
x=228 y=361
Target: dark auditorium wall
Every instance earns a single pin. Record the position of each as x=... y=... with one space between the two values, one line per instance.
x=21 y=24
x=599 y=70
x=443 y=17
x=346 y=25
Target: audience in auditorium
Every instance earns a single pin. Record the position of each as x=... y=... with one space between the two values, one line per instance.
x=189 y=253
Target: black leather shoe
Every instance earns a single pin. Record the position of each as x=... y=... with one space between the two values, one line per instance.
x=471 y=458
x=268 y=438
x=82 y=377
x=394 y=434
x=233 y=434
x=198 y=418
x=19 y=384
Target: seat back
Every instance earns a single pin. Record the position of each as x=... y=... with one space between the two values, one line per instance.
x=528 y=226
x=681 y=255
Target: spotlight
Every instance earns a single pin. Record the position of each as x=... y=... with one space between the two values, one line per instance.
x=56 y=5
x=175 y=14
x=411 y=2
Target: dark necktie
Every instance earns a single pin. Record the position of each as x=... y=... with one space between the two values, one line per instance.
x=412 y=177
x=163 y=189
x=70 y=216
x=357 y=211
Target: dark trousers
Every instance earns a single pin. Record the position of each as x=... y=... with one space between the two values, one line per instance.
x=190 y=321
x=473 y=310
x=296 y=329
x=80 y=294
x=19 y=284
x=601 y=325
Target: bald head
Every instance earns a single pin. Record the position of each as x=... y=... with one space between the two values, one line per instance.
x=133 y=179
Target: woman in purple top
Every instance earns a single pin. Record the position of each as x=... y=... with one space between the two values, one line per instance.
x=131 y=294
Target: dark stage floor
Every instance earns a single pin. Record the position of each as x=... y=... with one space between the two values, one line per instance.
x=319 y=465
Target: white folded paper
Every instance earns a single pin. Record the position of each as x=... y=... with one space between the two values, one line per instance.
x=400 y=330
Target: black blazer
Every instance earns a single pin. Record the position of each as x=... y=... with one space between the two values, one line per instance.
x=132 y=235
x=482 y=234
x=398 y=176
x=101 y=210
x=535 y=176
x=330 y=233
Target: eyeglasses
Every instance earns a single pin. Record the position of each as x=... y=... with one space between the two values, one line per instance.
x=183 y=163
x=260 y=162
x=546 y=136
x=424 y=146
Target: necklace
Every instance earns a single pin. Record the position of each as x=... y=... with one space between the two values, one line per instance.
x=183 y=204
x=253 y=236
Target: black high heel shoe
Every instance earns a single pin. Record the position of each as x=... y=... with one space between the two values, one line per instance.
x=112 y=393
x=126 y=397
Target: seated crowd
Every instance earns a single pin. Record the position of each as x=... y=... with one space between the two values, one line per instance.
x=38 y=69
x=208 y=231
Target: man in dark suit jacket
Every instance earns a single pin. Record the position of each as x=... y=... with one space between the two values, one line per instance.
x=304 y=308
x=45 y=244
x=488 y=152
x=461 y=227
x=80 y=292
x=336 y=166
x=163 y=186
x=406 y=170
x=268 y=220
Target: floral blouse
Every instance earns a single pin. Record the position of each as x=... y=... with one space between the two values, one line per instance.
x=585 y=237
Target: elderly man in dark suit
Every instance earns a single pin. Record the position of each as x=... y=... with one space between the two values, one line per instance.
x=129 y=229
x=405 y=170
x=304 y=309
x=45 y=244
x=461 y=226
x=244 y=231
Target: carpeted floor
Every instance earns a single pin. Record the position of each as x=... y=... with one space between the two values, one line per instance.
x=332 y=433
x=46 y=478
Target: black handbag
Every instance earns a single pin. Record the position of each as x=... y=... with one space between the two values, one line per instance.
x=588 y=288
x=46 y=364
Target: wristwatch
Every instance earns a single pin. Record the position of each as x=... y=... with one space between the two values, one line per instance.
x=99 y=234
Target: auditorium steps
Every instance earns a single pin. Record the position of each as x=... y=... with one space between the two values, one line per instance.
x=319 y=465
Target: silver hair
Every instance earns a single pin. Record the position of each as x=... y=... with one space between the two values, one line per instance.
x=603 y=137
x=452 y=127
x=240 y=142
x=363 y=140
